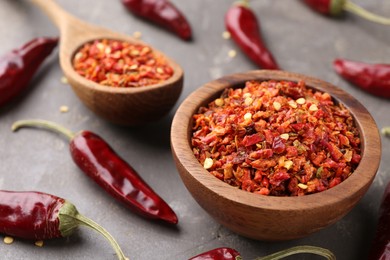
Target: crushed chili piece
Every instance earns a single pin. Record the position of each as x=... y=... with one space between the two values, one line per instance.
x=121 y=64
x=286 y=140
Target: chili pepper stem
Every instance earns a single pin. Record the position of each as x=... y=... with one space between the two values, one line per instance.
x=43 y=124
x=70 y=218
x=299 y=250
x=351 y=7
x=243 y=3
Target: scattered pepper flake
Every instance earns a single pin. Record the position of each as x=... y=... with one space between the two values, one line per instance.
x=137 y=35
x=282 y=151
x=64 y=109
x=39 y=243
x=64 y=80
x=226 y=35
x=232 y=53
x=8 y=240
x=386 y=131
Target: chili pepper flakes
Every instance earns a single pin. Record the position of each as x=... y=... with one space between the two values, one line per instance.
x=121 y=64
x=276 y=138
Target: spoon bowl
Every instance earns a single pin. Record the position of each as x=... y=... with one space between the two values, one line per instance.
x=124 y=106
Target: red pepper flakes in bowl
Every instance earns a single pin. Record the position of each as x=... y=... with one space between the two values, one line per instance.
x=121 y=64
x=276 y=138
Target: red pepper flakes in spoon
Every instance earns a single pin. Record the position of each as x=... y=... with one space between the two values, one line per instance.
x=121 y=64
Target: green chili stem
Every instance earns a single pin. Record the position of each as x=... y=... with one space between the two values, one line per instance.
x=300 y=250
x=92 y=224
x=349 y=6
x=386 y=131
x=43 y=124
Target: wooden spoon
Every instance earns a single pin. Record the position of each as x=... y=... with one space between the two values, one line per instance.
x=125 y=106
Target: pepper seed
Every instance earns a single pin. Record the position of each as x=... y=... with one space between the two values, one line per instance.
x=8 y=240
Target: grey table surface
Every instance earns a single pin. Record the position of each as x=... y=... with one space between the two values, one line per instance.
x=301 y=40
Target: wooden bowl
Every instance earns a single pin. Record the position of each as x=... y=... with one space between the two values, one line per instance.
x=269 y=217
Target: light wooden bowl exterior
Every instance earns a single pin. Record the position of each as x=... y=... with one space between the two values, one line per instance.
x=268 y=217
x=125 y=106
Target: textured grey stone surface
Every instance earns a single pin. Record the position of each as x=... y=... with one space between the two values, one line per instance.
x=301 y=40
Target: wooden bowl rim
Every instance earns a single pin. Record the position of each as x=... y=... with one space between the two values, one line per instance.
x=354 y=184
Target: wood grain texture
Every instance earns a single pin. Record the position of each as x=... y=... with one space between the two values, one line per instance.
x=267 y=217
x=125 y=106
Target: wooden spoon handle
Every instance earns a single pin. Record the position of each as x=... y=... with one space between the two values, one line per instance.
x=58 y=15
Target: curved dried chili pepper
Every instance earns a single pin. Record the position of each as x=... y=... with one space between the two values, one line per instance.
x=242 y=24
x=163 y=13
x=336 y=8
x=41 y=216
x=226 y=253
x=18 y=66
x=372 y=78
x=221 y=253
x=380 y=248
x=99 y=161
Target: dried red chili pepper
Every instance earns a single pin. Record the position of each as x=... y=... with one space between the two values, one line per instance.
x=18 y=66
x=380 y=248
x=243 y=26
x=372 y=78
x=226 y=253
x=163 y=13
x=221 y=253
x=41 y=216
x=336 y=8
x=99 y=161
